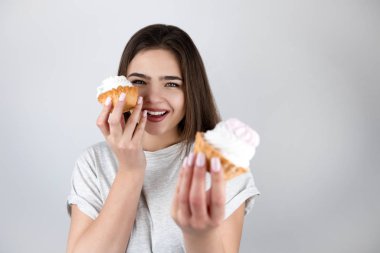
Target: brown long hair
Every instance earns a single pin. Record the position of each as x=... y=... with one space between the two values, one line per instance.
x=201 y=113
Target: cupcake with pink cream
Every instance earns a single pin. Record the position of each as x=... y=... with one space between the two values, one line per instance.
x=233 y=142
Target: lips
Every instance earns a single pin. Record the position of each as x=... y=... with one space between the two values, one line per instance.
x=156 y=115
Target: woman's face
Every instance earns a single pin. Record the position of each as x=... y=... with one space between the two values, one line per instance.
x=157 y=74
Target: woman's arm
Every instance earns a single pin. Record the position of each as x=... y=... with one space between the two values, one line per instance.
x=200 y=214
x=111 y=230
x=226 y=238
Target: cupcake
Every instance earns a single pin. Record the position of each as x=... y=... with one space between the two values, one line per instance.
x=113 y=87
x=233 y=142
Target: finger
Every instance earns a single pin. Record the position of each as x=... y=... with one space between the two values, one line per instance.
x=122 y=121
x=218 y=194
x=114 y=118
x=138 y=134
x=184 y=207
x=133 y=120
x=175 y=203
x=197 y=192
x=102 y=121
x=208 y=197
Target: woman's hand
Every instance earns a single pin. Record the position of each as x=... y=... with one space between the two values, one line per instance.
x=194 y=210
x=125 y=139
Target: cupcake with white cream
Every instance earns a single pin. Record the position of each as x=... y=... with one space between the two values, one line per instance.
x=113 y=86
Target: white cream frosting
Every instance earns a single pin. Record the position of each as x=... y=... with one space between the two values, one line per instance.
x=112 y=82
x=235 y=140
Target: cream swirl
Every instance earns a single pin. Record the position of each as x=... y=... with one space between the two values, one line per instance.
x=235 y=140
x=112 y=82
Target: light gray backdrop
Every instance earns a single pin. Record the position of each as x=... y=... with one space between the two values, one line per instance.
x=304 y=74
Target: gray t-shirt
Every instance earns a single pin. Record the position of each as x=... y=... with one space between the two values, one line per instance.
x=154 y=230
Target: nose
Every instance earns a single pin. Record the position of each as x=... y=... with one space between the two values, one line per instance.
x=151 y=93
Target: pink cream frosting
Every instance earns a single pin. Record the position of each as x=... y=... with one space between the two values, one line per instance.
x=235 y=140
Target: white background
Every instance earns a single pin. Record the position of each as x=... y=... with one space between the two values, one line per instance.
x=304 y=74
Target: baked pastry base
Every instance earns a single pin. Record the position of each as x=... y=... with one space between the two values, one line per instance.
x=229 y=169
x=130 y=99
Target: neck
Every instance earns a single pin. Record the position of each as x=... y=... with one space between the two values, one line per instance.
x=157 y=142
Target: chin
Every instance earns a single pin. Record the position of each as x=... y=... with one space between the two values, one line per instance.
x=154 y=130
x=157 y=131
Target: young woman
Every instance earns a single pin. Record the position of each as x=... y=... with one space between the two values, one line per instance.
x=142 y=190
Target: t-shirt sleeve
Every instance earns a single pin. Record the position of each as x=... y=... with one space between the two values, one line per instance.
x=239 y=190
x=84 y=187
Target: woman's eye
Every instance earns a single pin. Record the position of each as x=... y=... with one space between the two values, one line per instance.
x=172 y=85
x=137 y=82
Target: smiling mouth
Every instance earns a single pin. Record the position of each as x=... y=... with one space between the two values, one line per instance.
x=156 y=116
x=156 y=113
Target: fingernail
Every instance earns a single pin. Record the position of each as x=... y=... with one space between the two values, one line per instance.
x=145 y=112
x=108 y=100
x=190 y=159
x=215 y=164
x=122 y=96
x=139 y=100
x=200 y=162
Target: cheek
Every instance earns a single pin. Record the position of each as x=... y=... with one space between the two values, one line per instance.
x=178 y=102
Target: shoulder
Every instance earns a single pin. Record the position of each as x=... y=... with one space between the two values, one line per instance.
x=241 y=189
x=94 y=157
x=243 y=181
x=95 y=151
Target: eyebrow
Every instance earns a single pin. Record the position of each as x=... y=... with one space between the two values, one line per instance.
x=167 y=78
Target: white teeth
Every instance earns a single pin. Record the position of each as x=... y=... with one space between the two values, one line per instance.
x=156 y=113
